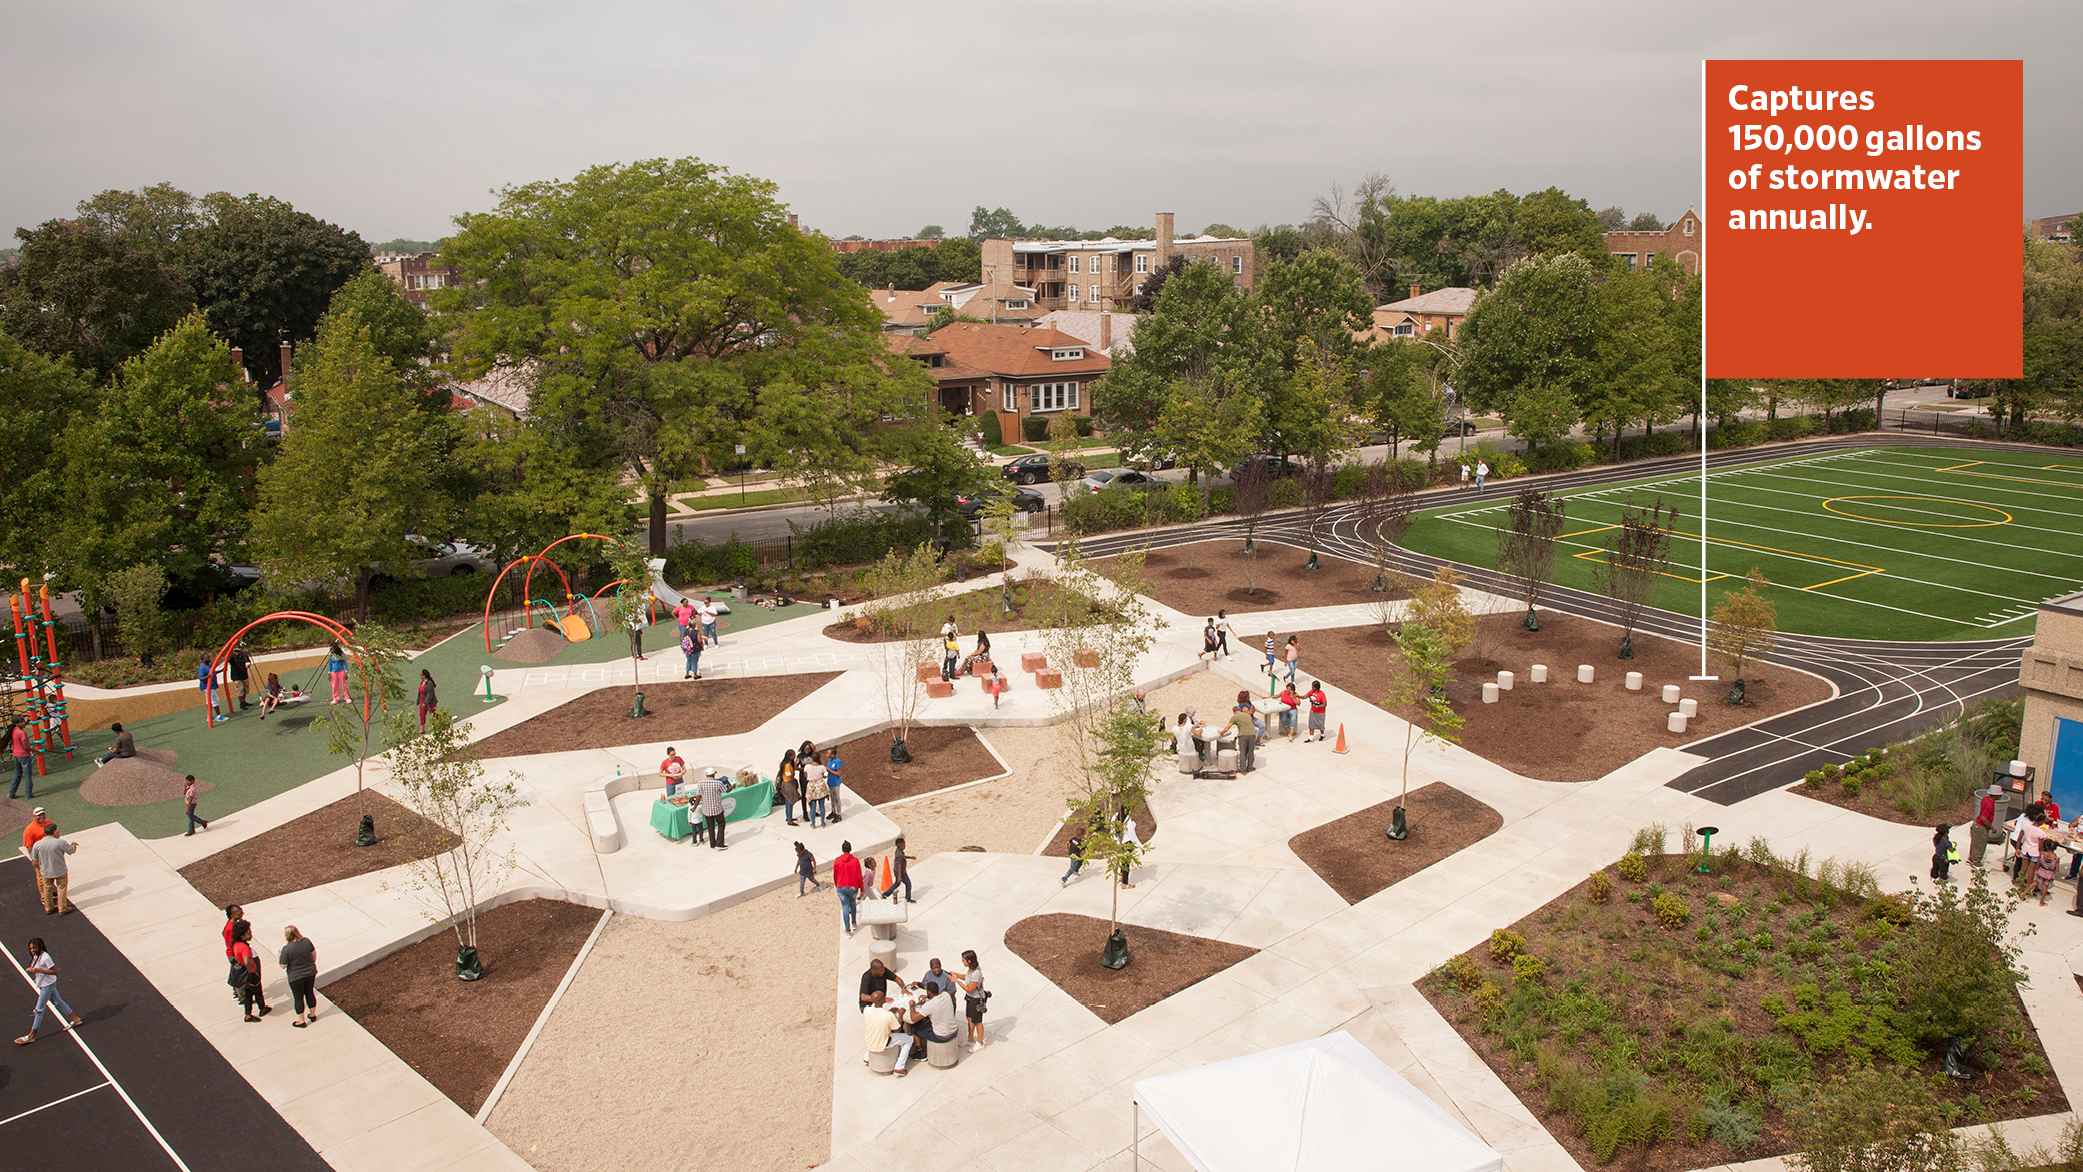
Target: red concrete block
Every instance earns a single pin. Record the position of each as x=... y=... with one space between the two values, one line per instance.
x=1033 y=661
x=985 y=683
x=929 y=671
x=940 y=689
x=1086 y=657
x=1048 y=677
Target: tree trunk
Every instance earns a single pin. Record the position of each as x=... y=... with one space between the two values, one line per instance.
x=657 y=521
x=361 y=592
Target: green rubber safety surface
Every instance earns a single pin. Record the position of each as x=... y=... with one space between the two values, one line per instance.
x=1874 y=543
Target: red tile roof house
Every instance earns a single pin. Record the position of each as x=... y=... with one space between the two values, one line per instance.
x=1017 y=371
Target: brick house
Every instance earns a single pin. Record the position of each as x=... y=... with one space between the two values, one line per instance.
x=1421 y=313
x=2059 y=229
x=1685 y=242
x=906 y=311
x=417 y=275
x=1015 y=371
x=1099 y=274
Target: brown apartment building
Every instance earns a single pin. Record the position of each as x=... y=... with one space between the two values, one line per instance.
x=1685 y=242
x=417 y=275
x=909 y=311
x=1100 y=274
x=1016 y=371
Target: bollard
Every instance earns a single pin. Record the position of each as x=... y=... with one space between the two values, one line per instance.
x=1676 y=723
x=1670 y=693
x=1504 y=681
x=1583 y=673
x=1688 y=707
x=1540 y=673
x=1489 y=693
x=1634 y=681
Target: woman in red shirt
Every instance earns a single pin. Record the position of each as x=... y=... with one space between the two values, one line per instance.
x=242 y=954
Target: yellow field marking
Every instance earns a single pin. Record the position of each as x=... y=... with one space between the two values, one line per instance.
x=1846 y=578
x=2007 y=518
x=1599 y=555
x=1962 y=470
x=1593 y=555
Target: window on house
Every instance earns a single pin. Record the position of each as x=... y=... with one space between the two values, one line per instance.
x=1142 y=265
x=1688 y=227
x=1055 y=396
x=1068 y=355
x=1073 y=292
x=1020 y=303
x=1237 y=265
x=1074 y=264
x=1405 y=330
x=1628 y=258
x=1012 y=397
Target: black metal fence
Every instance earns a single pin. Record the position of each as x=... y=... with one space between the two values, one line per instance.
x=1960 y=423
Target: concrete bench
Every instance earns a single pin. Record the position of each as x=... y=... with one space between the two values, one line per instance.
x=884 y=1061
x=945 y=1054
x=601 y=822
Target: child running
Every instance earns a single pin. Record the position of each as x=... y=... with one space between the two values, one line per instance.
x=806 y=870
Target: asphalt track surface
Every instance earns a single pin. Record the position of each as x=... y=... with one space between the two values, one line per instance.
x=1886 y=691
x=134 y=1088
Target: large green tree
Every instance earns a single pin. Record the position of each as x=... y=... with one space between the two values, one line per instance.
x=1553 y=221
x=262 y=270
x=1204 y=332
x=519 y=485
x=958 y=259
x=358 y=471
x=93 y=296
x=672 y=312
x=1539 y=327
x=1634 y=376
x=40 y=399
x=163 y=470
x=1317 y=305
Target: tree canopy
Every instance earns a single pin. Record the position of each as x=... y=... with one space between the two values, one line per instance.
x=95 y=297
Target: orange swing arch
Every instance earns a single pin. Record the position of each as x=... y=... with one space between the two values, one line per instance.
x=527 y=579
x=345 y=637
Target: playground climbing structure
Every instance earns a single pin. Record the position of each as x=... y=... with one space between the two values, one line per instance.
x=41 y=701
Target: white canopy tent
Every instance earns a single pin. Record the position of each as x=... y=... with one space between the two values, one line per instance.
x=1324 y=1103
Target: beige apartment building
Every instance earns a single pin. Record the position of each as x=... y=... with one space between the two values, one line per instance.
x=1101 y=274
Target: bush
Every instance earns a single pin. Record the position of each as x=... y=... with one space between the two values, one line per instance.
x=1489 y=997
x=1632 y=867
x=1506 y=944
x=1671 y=912
x=994 y=435
x=1035 y=428
x=1461 y=969
x=1528 y=968
x=418 y=600
x=1813 y=779
x=1957 y=976
x=1829 y=772
x=1792 y=427
x=1349 y=481
x=1736 y=435
x=1601 y=887
x=848 y=539
x=1566 y=456
x=1183 y=503
x=1663 y=443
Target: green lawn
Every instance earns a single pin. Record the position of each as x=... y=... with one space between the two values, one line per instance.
x=733 y=500
x=1010 y=450
x=1878 y=543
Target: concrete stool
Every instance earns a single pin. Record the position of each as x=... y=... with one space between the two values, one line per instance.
x=1540 y=673
x=1489 y=693
x=884 y=951
x=1670 y=693
x=1688 y=707
x=1676 y=723
x=1634 y=681
x=1048 y=677
x=1189 y=761
x=944 y=1054
x=1033 y=661
x=1504 y=681
x=1583 y=673
x=884 y=1061
x=939 y=689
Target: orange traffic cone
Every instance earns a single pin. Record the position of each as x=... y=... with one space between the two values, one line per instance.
x=887 y=879
x=1340 y=746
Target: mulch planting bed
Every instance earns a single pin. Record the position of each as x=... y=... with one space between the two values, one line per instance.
x=1355 y=856
x=1562 y=730
x=461 y=1034
x=1146 y=827
x=940 y=757
x=679 y=710
x=1768 y=981
x=977 y=610
x=1208 y=576
x=1065 y=949
x=315 y=849
x=1876 y=805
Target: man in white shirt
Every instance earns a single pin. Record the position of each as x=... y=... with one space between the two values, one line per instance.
x=707 y=611
x=1482 y=473
x=941 y=1021
x=48 y=856
x=880 y=1027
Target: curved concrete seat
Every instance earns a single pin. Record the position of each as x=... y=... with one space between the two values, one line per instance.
x=601 y=822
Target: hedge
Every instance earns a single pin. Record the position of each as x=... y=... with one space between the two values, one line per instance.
x=1035 y=428
x=994 y=435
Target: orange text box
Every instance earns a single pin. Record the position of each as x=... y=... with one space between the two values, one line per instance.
x=1868 y=218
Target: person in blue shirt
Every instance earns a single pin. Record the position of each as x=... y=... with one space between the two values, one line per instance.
x=336 y=668
x=833 y=782
x=205 y=674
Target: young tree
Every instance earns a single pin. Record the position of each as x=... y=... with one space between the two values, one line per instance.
x=1638 y=554
x=628 y=612
x=941 y=469
x=1116 y=787
x=1742 y=631
x=376 y=680
x=1421 y=687
x=1254 y=488
x=1003 y=520
x=904 y=584
x=1385 y=515
x=1095 y=628
x=136 y=593
x=1399 y=395
x=1440 y=608
x=358 y=472
x=1318 y=484
x=1541 y=415
x=443 y=782
x=1526 y=545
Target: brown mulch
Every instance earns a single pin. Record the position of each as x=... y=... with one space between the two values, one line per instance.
x=149 y=777
x=1146 y=828
x=1065 y=949
x=1873 y=802
x=940 y=757
x=978 y=610
x=532 y=645
x=1208 y=576
x=461 y=1034
x=315 y=849
x=1669 y=983
x=678 y=710
x=1563 y=730
x=1355 y=856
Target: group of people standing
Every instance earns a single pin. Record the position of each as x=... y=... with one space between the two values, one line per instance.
x=298 y=958
x=697 y=622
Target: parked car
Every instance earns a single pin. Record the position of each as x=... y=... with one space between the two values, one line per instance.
x=1036 y=468
x=1124 y=478
x=1157 y=463
x=1277 y=467
x=1024 y=499
x=450 y=559
x=1458 y=426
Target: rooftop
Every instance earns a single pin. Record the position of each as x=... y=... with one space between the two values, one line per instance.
x=1451 y=300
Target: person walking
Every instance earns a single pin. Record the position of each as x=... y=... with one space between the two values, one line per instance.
x=299 y=961
x=1482 y=473
x=1222 y=631
x=1077 y=858
x=18 y=745
x=636 y=637
x=833 y=780
x=846 y=879
x=1294 y=656
x=336 y=671
x=188 y=799
x=125 y=746
x=428 y=700
x=1272 y=653
x=1125 y=828
x=243 y=956
x=710 y=792
x=238 y=667
x=1209 y=641
x=683 y=615
x=974 y=996
x=806 y=870
x=1942 y=852
x=900 y=872
x=1319 y=704
x=1290 y=706
x=690 y=654
x=48 y=855
x=1984 y=828
x=43 y=974
x=205 y=679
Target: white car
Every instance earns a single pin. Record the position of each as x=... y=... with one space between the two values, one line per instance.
x=1124 y=478
x=450 y=559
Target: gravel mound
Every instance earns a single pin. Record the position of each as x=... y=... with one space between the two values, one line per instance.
x=137 y=781
x=534 y=645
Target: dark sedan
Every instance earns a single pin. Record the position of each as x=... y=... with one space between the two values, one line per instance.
x=1024 y=499
x=1036 y=468
x=1277 y=467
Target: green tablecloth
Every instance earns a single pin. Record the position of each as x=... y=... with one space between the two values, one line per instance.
x=739 y=805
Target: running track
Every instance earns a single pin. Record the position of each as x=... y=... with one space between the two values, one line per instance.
x=1886 y=691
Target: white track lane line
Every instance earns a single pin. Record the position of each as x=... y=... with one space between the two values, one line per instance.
x=54 y=1102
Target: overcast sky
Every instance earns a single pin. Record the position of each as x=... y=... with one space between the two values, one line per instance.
x=878 y=118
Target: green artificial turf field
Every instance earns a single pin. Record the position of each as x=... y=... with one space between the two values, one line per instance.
x=1875 y=543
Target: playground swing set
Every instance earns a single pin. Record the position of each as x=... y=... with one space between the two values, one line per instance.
x=568 y=621
x=40 y=705
x=297 y=694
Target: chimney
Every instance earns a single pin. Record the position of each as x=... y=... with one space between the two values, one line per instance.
x=792 y=221
x=285 y=368
x=1413 y=290
x=1106 y=330
x=1164 y=238
x=238 y=358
